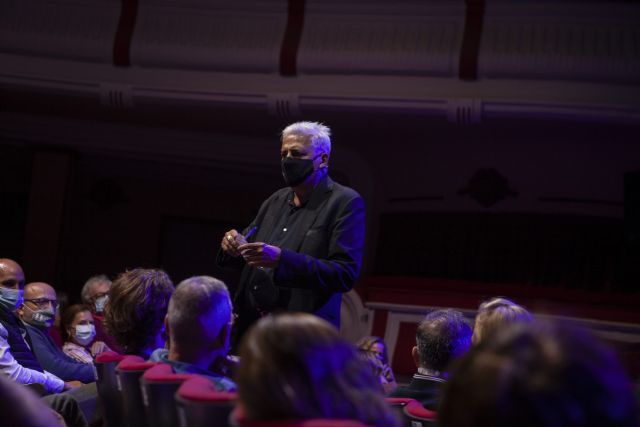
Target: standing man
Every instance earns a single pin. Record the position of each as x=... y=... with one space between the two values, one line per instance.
x=304 y=248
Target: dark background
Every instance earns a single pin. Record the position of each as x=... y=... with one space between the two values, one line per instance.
x=482 y=154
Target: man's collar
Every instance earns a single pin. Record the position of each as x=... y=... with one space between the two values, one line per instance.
x=324 y=185
x=432 y=373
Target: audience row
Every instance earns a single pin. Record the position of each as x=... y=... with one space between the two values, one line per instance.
x=508 y=369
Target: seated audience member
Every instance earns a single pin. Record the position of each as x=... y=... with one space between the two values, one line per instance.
x=136 y=308
x=538 y=375
x=495 y=314
x=198 y=323
x=38 y=313
x=374 y=351
x=17 y=360
x=441 y=337
x=296 y=366
x=95 y=294
x=78 y=334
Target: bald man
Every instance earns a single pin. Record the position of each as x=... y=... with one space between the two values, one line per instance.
x=17 y=361
x=38 y=313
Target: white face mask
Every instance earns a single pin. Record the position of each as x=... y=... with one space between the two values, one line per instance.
x=85 y=334
x=42 y=318
x=100 y=303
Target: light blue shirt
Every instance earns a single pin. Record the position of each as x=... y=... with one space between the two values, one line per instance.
x=221 y=382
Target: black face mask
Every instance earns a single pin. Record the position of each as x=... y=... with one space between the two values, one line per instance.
x=295 y=171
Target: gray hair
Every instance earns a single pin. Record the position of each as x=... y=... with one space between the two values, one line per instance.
x=85 y=294
x=316 y=133
x=200 y=306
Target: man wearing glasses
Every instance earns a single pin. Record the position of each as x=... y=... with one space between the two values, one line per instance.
x=38 y=313
x=17 y=360
x=304 y=248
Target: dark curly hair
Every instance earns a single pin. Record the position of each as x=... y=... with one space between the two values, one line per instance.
x=137 y=305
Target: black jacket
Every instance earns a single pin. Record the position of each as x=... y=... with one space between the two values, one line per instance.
x=319 y=263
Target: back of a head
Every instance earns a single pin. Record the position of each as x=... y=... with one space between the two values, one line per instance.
x=442 y=336
x=137 y=305
x=198 y=310
x=494 y=314
x=296 y=366
x=542 y=375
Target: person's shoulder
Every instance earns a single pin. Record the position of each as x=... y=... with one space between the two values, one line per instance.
x=280 y=193
x=344 y=191
x=34 y=332
x=159 y=355
x=223 y=383
x=402 y=391
x=72 y=347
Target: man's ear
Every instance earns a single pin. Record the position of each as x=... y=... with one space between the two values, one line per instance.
x=415 y=356
x=324 y=160
x=20 y=311
x=221 y=339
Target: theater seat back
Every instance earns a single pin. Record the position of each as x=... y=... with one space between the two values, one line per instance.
x=201 y=405
x=412 y=412
x=159 y=385
x=108 y=392
x=238 y=419
x=129 y=371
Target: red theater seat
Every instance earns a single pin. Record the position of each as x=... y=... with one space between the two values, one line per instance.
x=200 y=404
x=159 y=385
x=108 y=392
x=412 y=412
x=129 y=371
x=241 y=421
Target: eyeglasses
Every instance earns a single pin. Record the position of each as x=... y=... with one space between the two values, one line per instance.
x=100 y=295
x=43 y=302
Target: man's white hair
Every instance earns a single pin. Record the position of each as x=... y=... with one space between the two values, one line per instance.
x=316 y=133
x=200 y=305
x=85 y=294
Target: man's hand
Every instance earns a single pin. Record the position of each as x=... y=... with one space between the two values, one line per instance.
x=99 y=347
x=260 y=254
x=231 y=241
x=68 y=385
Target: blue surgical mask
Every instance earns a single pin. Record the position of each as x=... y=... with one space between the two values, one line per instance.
x=85 y=334
x=11 y=299
x=100 y=303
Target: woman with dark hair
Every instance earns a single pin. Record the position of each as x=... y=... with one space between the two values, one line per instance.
x=78 y=333
x=374 y=350
x=136 y=308
x=296 y=366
